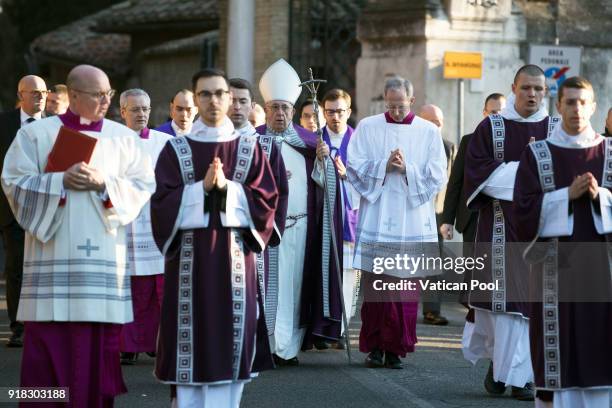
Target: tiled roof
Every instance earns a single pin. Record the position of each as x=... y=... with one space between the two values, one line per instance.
x=135 y=14
x=193 y=43
x=78 y=43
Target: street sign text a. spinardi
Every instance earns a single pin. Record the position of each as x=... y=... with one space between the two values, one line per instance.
x=465 y=65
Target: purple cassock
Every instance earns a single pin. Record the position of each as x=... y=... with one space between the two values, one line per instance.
x=209 y=321
x=350 y=216
x=140 y=335
x=166 y=128
x=570 y=326
x=320 y=303
x=498 y=142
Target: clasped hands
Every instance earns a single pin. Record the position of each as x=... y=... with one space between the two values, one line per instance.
x=323 y=152
x=396 y=162
x=83 y=177
x=582 y=184
x=215 y=178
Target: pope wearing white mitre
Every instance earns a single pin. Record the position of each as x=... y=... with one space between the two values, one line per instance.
x=303 y=305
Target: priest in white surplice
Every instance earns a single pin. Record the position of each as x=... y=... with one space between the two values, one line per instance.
x=76 y=288
x=146 y=263
x=396 y=162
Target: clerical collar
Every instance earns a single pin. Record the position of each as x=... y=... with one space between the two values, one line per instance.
x=178 y=131
x=200 y=132
x=74 y=121
x=24 y=116
x=406 y=121
x=509 y=112
x=144 y=133
x=587 y=138
x=247 y=130
x=335 y=138
x=334 y=135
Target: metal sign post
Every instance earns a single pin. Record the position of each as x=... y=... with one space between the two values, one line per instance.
x=462 y=65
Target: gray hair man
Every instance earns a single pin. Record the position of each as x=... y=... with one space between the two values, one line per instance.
x=146 y=263
x=406 y=154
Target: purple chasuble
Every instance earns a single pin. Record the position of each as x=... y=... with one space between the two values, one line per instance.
x=482 y=159
x=140 y=336
x=349 y=215
x=198 y=343
x=81 y=356
x=570 y=339
x=311 y=305
x=166 y=128
x=280 y=177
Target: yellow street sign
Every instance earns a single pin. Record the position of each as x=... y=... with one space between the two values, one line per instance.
x=466 y=65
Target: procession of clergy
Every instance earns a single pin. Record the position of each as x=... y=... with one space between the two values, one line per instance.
x=210 y=245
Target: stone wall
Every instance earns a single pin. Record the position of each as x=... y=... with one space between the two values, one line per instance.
x=585 y=23
x=411 y=40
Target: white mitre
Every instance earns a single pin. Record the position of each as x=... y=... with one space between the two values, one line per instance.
x=280 y=82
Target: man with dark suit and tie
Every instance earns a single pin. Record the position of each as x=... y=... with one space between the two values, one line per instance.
x=431 y=300
x=455 y=209
x=32 y=94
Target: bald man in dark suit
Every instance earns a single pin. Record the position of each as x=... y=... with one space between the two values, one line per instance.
x=32 y=94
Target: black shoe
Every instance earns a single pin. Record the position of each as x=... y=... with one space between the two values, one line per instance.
x=15 y=341
x=435 y=319
x=151 y=354
x=281 y=362
x=523 y=394
x=375 y=359
x=129 y=358
x=320 y=344
x=492 y=386
x=340 y=344
x=393 y=361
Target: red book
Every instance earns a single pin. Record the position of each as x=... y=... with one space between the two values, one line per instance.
x=70 y=147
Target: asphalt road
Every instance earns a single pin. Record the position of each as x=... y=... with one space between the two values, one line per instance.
x=436 y=375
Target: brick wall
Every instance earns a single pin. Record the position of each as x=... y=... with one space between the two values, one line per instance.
x=271 y=35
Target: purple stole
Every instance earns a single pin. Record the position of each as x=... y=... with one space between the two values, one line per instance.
x=350 y=215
